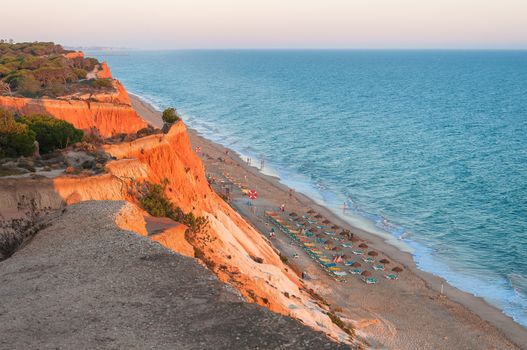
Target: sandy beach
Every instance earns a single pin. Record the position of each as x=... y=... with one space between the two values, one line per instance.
x=409 y=313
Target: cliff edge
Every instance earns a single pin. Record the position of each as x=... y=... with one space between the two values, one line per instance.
x=84 y=284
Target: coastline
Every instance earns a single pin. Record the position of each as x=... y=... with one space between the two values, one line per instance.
x=471 y=311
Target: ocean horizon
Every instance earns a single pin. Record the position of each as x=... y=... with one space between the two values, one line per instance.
x=426 y=148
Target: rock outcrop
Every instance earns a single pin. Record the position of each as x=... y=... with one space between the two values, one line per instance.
x=110 y=112
x=114 y=115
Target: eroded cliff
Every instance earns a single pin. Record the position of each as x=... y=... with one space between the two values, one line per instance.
x=230 y=247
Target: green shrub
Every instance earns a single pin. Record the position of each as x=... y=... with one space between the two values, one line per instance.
x=51 y=133
x=47 y=75
x=89 y=63
x=16 y=139
x=102 y=83
x=55 y=89
x=24 y=83
x=32 y=63
x=4 y=71
x=153 y=199
x=81 y=73
x=170 y=116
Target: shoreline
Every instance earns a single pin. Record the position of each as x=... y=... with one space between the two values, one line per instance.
x=461 y=301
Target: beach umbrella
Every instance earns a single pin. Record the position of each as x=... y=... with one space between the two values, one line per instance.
x=318 y=216
x=354 y=239
x=335 y=227
x=311 y=211
x=356 y=264
x=344 y=256
x=329 y=241
x=372 y=253
x=293 y=214
x=336 y=249
x=363 y=245
x=326 y=221
x=397 y=269
x=252 y=194
x=384 y=261
x=366 y=273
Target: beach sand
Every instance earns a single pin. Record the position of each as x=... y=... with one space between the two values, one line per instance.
x=408 y=313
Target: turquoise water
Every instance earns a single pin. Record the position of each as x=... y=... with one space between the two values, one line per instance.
x=429 y=147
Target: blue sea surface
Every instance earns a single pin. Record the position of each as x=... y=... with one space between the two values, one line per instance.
x=426 y=146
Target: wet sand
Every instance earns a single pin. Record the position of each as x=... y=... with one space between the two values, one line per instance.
x=408 y=313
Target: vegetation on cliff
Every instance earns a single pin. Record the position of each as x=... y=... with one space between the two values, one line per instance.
x=153 y=199
x=16 y=139
x=18 y=135
x=51 y=133
x=170 y=116
x=44 y=69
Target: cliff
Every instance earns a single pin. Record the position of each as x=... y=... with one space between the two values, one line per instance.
x=110 y=112
x=113 y=115
x=88 y=284
x=229 y=246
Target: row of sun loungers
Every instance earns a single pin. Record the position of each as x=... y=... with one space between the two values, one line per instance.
x=299 y=235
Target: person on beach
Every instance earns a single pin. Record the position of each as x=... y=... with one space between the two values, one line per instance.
x=272 y=233
x=282 y=208
x=344 y=207
x=290 y=193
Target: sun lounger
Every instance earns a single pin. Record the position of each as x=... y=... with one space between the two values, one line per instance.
x=347 y=245
x=369 y=260
x=357 y=252
x=378 y=267
x=329 y=233
x=369 y=280
x=331 y=264
x=355 y=271
x=340 y=273
x=309 y=244
x=334 y=268
x=391 y=276
x=348 y=263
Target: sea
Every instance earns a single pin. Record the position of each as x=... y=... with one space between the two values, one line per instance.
x=425 y=148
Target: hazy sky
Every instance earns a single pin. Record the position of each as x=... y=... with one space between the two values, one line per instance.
x=269 y=23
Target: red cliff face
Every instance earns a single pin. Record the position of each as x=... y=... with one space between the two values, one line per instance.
x=104 y=72
x=74 y=54
x=229 y=244
x=233 y=249
x=112 y=114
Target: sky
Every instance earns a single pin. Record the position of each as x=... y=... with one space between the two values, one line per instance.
x=353 y=24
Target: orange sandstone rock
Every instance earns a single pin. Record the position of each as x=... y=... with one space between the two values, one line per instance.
x=108 y=118
x=227 y=246
x=74 y=54
x=104 y=72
